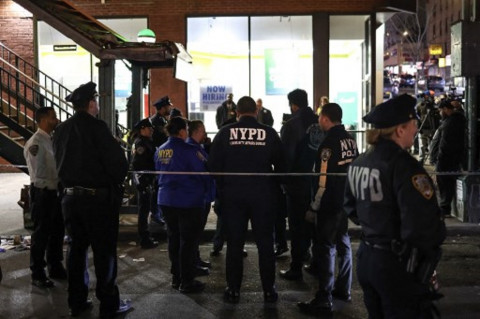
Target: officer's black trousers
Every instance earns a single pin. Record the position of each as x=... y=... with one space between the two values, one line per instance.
x=48 y=233
x=219 y=236
x=300 y=233
x=144 y=198
x=183 y=231
x=280 y=221
x=238 y=207
x=92 y=221
x=388 y=290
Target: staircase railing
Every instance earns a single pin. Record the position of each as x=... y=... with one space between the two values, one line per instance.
x=45 y=88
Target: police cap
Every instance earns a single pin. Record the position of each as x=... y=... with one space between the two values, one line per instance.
x=82 y=94
x=395 y=111
x=142 y=124
x=164 y=101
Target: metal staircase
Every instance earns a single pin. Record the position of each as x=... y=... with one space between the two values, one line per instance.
x=24 y=89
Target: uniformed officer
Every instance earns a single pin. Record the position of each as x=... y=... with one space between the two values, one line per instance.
x=46 y=210
x=182 y=200
x=392 y=197
x=335 y=154
x=142 y=160
x=160 y=120
x=92 y=167
x=247 y=147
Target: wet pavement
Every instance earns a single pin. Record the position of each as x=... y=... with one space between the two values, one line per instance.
x=143 y=277
x=147 y=281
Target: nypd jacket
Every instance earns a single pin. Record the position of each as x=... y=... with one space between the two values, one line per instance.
x=392 y=197
x=335 y=154
x=246 y=147
x=182 y=191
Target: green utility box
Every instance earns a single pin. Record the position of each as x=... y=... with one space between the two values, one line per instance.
x=467 y=201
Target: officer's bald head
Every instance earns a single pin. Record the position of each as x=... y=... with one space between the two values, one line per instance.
x=246 y=105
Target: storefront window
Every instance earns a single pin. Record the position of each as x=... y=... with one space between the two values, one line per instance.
x=281 y=58
x=276 y=59
x=347 y=38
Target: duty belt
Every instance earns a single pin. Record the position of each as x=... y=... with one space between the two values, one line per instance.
x=385 y=247
x=84 y=191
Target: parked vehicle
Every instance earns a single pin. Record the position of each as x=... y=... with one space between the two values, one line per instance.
x=432 y=82
x=407 y=80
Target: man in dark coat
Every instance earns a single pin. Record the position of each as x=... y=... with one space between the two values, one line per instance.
x=447 y=152
x=226 y=111
x=264 y=115
x=92 y=168
x=300 y=145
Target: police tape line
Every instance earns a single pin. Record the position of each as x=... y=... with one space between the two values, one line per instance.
x=463 y=173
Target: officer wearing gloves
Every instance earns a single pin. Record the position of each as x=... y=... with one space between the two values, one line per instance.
x=393 y=199
x=335 y=154
x=142 y=160
x=182 y=200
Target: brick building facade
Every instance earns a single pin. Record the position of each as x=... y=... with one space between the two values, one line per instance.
x=168 y=20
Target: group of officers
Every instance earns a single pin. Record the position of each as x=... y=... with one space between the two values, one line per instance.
x=385 y=190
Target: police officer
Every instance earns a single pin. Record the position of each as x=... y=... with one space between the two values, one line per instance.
x=182 y=200
x=247 y=147
x=160 y=120
x=335 y=154
x=46 y=210
x=92 y=167
x=392 y=197
x=142 y=160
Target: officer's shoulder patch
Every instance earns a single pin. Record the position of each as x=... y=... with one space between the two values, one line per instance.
x=33 y=150
x=201 y=157
x=140 y=150
x=423 y=185
x=325 y=154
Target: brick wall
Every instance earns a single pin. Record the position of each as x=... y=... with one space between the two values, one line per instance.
x=16 y=29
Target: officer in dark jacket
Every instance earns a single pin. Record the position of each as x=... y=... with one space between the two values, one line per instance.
x=247 y=147
x=392 y=197
x=447 y=152
x=335 y=154
x=160 y=119
x=300 y=145
x=142 y=160
x=92 y=167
